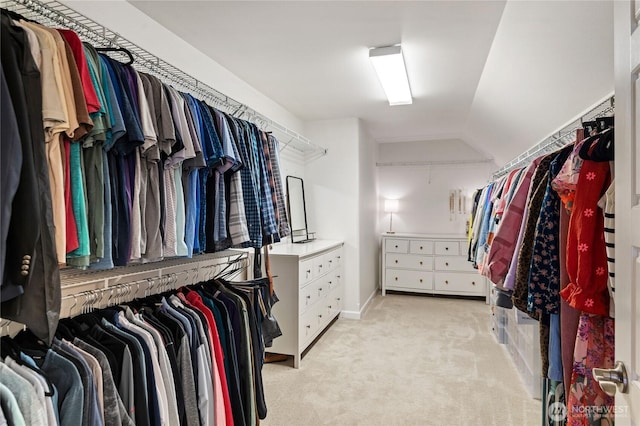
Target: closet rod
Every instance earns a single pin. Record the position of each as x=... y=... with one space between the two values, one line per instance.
x=432 y=163
x=54 y=13
x=559 y=138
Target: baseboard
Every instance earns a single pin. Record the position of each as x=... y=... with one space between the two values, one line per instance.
x=356 y=315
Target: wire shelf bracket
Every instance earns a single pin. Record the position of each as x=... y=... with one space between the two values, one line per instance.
x=560 y=138
x=54 y=13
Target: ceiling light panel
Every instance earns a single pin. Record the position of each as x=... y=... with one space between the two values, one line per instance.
x=392 y=73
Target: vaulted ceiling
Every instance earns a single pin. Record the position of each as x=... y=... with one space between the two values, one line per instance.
x=499 y=75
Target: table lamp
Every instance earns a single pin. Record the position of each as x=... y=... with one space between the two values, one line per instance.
x=391 y=207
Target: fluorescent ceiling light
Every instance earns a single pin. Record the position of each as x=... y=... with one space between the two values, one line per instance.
x=389 y=64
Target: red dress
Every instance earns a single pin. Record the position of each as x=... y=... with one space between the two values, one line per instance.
x=586 y=250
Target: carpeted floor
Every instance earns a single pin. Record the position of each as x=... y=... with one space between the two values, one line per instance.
x=411 y=360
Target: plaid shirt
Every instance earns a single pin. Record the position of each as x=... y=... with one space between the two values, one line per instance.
x=283 y=222
x=238 y=230
x=268 y=214
x=272 y=184
x=249 y=185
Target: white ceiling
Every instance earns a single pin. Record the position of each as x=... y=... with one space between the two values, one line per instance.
x=498 y=75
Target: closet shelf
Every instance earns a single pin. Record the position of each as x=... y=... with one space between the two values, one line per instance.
x=190 y=270
x=99 y=289
x=55 y=14
x=559 y=138
x=87 y=289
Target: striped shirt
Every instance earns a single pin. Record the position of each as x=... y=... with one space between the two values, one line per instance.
x=607 y=203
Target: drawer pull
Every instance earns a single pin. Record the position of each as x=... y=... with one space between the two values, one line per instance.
x=396 y=278
x=330 y=282
x=446 y=282
x=396 y=260
x=330 y=307
x=420 y=247
x=320 y=316
x=338 y=299
x=421 y=262
x=320 y=266
x=339 y=257
x=320 y=289
x=446 y=248
x=308 y=326
x=308 y=296
x=420 y=279
x=473 y=283
x=446 y=263
x=396 y=246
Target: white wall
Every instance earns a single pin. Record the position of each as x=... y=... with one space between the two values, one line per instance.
x=291 y=164
x=331 y=186
x=423 y=191
x=368 y=208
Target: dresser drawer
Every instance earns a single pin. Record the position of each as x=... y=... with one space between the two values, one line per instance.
x=306 y=272
x=333 y=259
x=336 y=257
x=409 y=261
x=447 y=247
x=308 y=325
x=321 y=264
x=420 y=247
x=334 y=302
x=334 y=279
x=397 y=246
x=453 y=263
x=307 y=298
x=322 y=287
x=418 y=280
x=459 y=283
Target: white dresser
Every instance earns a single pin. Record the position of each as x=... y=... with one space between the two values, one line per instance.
x=429 y=263
x=308 y=280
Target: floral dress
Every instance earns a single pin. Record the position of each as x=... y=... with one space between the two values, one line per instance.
x=544 y=271
x=587 y=404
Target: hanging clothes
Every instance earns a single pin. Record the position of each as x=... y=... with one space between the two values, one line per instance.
x=559 y=273
x=136 y=171
x=30 y=269
x=189 y=357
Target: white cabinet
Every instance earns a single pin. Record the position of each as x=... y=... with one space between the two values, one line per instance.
x=435 y=264
x=309 y=281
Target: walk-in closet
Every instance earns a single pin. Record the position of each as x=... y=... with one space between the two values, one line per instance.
x=288 y=213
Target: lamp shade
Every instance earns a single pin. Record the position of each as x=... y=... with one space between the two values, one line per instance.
x=391 y=206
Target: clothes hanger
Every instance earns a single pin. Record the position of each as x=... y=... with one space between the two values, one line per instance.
x=118 y=50
x=600 y=148
x=30 y=344
x=9 y=348
x=603 y=123
x=227 y=274
x=590 y=127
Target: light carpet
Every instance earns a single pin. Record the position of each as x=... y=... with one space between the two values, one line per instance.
x=412 y=360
